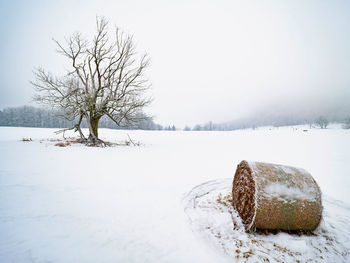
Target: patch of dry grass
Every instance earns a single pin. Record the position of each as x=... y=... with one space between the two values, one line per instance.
x=63 y=144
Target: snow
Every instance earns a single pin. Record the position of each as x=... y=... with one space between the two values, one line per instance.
x=291 y=190
x=289 y=193
x=213 y=219
x=132 y=204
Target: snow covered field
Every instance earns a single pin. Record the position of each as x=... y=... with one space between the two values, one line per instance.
x=127 y=203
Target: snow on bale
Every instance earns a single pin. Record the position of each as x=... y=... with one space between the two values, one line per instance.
x=276 y=197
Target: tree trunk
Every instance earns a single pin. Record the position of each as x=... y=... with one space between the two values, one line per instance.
x=94 y=126
x=93 y=129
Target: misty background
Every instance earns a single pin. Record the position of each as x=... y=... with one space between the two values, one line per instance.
x=219 y=61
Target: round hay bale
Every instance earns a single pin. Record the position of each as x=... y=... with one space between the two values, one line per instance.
x=272 y=196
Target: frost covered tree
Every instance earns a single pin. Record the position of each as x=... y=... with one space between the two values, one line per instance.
x=322 y=122
x=106 y=79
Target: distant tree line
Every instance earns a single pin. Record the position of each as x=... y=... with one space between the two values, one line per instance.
x=253 y=123
x=29 y=116
x=346 y=124
x=170 y=128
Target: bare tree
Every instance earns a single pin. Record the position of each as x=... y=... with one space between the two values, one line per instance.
x=322 y=122
x=106 y=78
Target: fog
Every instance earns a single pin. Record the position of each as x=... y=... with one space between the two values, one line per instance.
x=211 y=60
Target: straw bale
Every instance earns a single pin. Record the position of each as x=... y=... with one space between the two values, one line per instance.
x=272 y=196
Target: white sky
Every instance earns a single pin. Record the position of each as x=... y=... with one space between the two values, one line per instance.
x=211 y=60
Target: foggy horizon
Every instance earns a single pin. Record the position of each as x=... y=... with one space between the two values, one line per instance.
x=209 y=61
